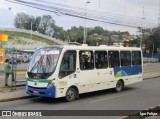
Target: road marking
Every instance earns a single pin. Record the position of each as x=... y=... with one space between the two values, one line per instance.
x=112 y=97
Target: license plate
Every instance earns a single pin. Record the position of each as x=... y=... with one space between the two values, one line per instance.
x=35 y=92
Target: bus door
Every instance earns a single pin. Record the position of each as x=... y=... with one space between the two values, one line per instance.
x=114 y=62
x=104 y=73
x=87 y=74
x=67 y=72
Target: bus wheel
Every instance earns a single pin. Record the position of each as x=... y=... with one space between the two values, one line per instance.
x=119 y=86
x=70 y=94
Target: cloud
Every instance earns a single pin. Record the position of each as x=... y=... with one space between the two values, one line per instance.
x=149 y=6
x=2 y=5
x=6 y=18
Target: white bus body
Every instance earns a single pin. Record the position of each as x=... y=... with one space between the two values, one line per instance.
x=87 y=69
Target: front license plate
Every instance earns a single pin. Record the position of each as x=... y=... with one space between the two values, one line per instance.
x=35 y=92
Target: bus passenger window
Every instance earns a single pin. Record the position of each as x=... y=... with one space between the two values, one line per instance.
x=136 y=58
x=113 y=57
x=86 y=60
x=101 y=60
x=125 y=58
x=68 y=64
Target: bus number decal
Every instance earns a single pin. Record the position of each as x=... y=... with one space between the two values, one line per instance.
x=62 y=83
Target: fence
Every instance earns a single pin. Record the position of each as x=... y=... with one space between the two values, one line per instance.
x=151 y=57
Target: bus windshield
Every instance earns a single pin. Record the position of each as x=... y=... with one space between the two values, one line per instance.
x=44 y=60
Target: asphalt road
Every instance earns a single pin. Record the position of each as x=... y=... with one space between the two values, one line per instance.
x=139 y=96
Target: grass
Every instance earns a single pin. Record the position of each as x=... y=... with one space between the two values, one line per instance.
x=12 y=34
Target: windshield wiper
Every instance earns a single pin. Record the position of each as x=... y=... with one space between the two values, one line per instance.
x=33 y=66
x=38 y=63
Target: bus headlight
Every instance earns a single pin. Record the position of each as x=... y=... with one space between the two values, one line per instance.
x=51 y=83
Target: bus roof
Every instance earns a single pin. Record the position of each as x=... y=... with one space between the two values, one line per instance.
x=86 y=47
x=99 y=47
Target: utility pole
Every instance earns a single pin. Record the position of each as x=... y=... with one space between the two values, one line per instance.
x=31 y=31
x=159 y=15
x=158 y=43
x=142 y=28
x=85 y=30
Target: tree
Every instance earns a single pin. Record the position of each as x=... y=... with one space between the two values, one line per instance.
x=150 y=37
x=22 y=21
x=99 y=30
x=46 y=25
x=59 y=33
x=76 y=34
x=36 y=23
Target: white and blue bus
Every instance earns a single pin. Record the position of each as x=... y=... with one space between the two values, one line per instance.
x=70 y=70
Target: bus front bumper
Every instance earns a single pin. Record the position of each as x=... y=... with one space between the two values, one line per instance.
x=41 y=92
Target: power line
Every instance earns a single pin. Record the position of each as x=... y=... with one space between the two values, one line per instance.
x=92 y=15
x=99 y=12
x=106 y=13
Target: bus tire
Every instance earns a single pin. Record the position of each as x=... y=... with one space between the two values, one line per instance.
x=119 y=86
x=71 y=94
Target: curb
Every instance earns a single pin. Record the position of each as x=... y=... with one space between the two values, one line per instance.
x=17 y=98
x=151 y=77
x=1 y=87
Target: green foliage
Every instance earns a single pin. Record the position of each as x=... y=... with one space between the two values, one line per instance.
x=150 y=37
x=2 y=44
x=43 y=24
x=12 y=34
x=94 y=35
x=134 y=42
x=75 y=34
x=19 y=41
x=46 y=25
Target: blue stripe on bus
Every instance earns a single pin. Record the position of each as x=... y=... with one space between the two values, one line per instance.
x=127 y=71
x=47 y=92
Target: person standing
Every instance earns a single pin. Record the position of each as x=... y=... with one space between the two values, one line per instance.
x=7 y=71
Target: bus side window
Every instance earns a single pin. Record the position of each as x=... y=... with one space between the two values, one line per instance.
x=68 y=64
x=86 y=59
x=114 y=60
x=101 y=60
x=136 y=58
x=125 y=58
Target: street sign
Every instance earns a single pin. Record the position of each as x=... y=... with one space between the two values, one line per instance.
x=3 y=38
x=2 y=56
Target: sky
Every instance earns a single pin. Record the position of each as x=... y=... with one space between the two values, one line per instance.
x=113 y=10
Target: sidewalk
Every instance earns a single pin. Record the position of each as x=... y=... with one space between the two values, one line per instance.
x=150 y=75
x=20 y=75
x=8 y=94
